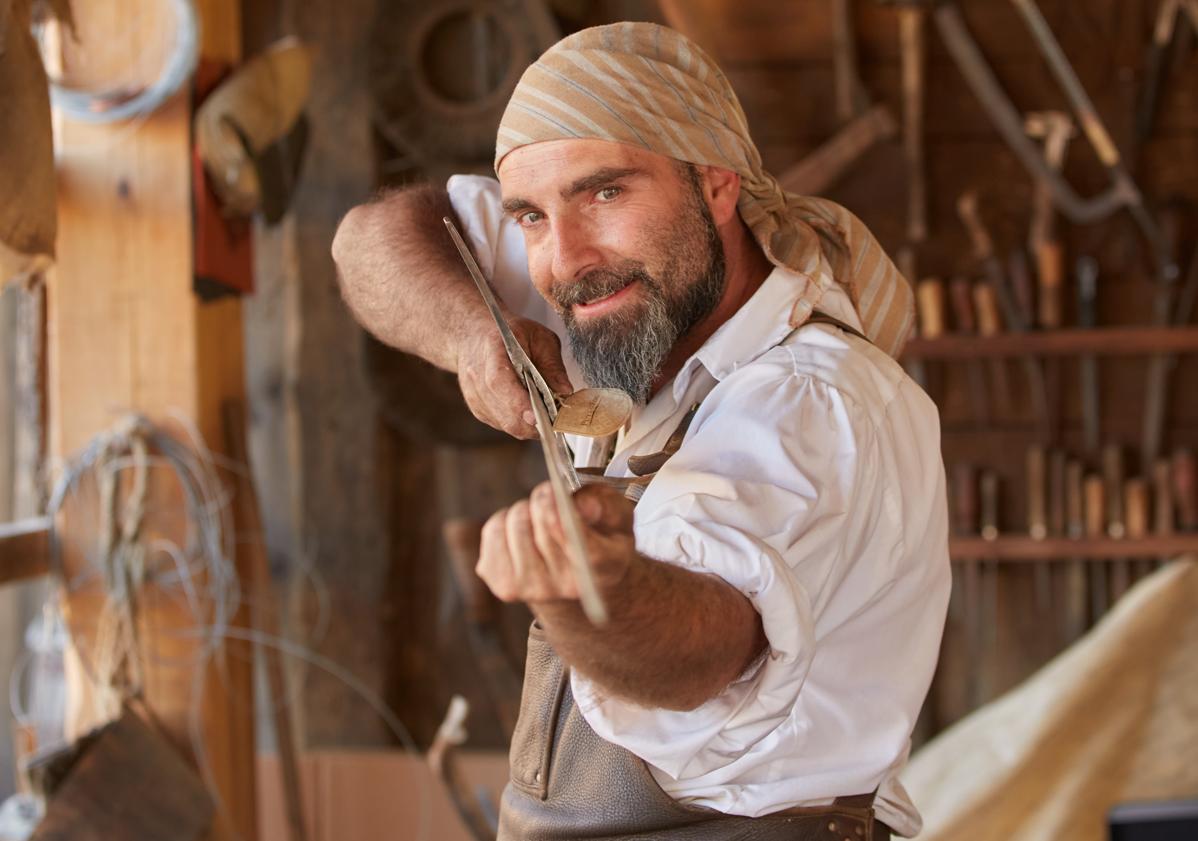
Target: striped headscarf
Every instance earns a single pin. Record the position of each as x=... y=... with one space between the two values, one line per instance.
x=649 y=86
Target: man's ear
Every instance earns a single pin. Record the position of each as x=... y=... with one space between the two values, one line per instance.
x=721 y=189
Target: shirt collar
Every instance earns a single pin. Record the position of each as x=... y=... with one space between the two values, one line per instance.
x=760 y=324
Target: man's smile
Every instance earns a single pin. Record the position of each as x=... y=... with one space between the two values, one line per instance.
x=605 y=303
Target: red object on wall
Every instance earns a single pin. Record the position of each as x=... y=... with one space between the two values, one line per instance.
x=224 y=246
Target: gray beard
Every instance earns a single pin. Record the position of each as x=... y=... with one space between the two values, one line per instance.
x=626 y=350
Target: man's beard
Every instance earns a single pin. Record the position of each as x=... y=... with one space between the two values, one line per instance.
x=626 y=350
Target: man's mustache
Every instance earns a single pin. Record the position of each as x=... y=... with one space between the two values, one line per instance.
x=598 y=283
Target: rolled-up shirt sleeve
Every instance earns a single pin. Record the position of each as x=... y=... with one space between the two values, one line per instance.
x=767 y=492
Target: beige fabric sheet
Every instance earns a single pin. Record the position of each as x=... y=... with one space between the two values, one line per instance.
x=1112 y=719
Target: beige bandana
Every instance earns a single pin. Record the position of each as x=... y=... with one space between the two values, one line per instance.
x=648 y=86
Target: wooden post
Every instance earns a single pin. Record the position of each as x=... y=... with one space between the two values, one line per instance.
x=127 y=333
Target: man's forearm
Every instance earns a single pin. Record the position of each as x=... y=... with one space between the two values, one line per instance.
x=402 y=277
x=675 y=638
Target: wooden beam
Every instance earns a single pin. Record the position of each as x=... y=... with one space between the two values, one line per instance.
x=127 y=333
x=24 y=549
x=1105 y=341
x=1019 y=548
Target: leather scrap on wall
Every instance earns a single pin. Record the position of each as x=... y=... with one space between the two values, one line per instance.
x=28 y=213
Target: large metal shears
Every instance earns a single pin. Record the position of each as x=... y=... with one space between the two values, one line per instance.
x=563 y=478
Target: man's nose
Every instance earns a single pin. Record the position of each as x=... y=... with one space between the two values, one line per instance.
x=574 y=250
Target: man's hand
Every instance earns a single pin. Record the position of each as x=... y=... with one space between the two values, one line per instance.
x=524 y=554
x=492 y=390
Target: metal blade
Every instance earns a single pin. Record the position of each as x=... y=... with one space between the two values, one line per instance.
x=564 y=481
x=515 y=351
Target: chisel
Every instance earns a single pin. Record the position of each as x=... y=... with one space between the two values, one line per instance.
x=1185 y=494
x=1094 y=491
x=1087 y=295
x=961 y=297
x=1116 y=527
x=1075 y=570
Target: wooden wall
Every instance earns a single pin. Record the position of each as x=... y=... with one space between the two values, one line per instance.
x=362 y=500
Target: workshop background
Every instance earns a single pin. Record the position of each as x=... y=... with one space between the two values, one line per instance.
x=236 y=534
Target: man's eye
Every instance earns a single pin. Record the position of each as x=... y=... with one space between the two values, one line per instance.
x=608 y=193
x=530 y=217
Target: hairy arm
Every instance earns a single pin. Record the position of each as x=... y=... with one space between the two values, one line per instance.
x=675 y=638
x=404 y=281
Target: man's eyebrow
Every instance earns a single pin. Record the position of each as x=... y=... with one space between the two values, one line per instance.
x=599 y=178
x=515 y=205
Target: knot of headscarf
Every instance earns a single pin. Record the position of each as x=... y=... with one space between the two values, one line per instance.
x=649 y=86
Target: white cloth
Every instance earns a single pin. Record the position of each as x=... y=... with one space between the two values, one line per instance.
x=810 y=479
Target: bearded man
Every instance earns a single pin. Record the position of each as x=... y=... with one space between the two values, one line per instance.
x=777 y=594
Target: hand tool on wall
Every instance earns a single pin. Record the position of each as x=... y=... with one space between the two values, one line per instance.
x=849 y=92
x=1021 y=286
x=1087 y=300
x=988 y=491
x=1055 y=129
x=1075 y=569
x=929 y=295
x=1162 y=36
x=1037 y=503
x=913 y=49
x=983 y=248
x=863 y=125
x=1166 y=312
x=562 y=477
x=985 y=308
x=1116 y=527
x=965 y=511
x=904 y=261
x=988 y=585
x=823 y=167
x=1037 y=524
x=961 y=298
x=1094 y=492
x=1123 y=191
x=1057 y=522
x=1135 y=513
x=1185 y=492
x=1162 y=498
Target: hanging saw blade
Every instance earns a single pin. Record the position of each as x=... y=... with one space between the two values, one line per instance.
x=562 y=476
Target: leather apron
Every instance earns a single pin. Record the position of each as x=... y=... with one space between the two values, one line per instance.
x=568 y=783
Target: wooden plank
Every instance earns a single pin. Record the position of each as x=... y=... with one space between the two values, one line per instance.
x=24 y=549
x=335 y=476
x=127 y=333
x=1017 y=548
x=1106 y=341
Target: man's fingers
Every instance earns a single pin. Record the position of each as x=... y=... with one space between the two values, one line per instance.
x=547 y=356
x=497 y=398
x=550 y=539
x=604 y=509
x=494 y=562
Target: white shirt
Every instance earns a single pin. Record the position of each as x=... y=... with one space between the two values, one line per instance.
x=811 y=480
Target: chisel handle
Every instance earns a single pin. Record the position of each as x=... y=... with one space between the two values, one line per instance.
x=1184 y=491
x=1135 y=507
x=989 y=493
x=1037 y=509
x=1162 y=498
x=1094 y=491
x=929 y=294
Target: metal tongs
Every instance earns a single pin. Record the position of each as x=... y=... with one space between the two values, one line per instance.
x=562 y=476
